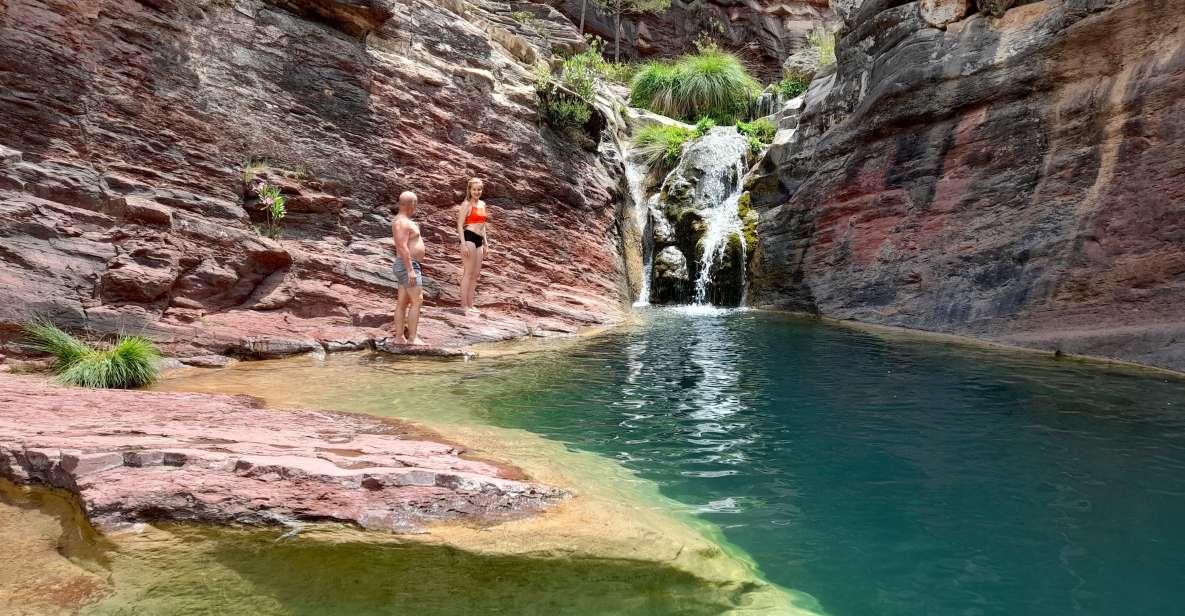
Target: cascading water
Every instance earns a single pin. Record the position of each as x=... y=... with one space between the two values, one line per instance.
x=693 y=247
x=721 y=223
x=635 y=175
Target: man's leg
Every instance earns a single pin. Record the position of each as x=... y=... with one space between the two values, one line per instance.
x=400 y=311
x=416 y=297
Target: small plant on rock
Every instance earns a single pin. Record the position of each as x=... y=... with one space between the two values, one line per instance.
x=792 y=86
x=824 y=40
x=760 y=129
x=661 y=144
x=130 y=362
x=566 y=102
x=703 y=126
x=272 y=203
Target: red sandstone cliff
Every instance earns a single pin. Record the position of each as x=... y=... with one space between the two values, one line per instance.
x=765 y=31
x=128 y=126
x=1019 y=179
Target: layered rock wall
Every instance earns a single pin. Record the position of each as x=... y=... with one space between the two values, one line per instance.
x=766 y=31
x=1019 y=179
x=131 y=127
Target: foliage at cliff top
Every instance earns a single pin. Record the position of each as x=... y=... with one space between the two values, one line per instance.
x=710 y=83
x=130 y=362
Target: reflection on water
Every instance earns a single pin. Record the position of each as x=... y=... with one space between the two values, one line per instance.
x=882 y=477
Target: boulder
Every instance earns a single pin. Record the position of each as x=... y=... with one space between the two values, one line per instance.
x=671 y=281
x=803 y=63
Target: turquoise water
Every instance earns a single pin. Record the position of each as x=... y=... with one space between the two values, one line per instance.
x=883 y=477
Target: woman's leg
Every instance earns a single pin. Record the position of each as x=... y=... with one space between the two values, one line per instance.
x=468 y=279
x=475 y=269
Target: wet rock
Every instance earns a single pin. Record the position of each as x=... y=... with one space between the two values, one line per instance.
x=207 y=361
x=141 y=457
x=671 y=282
x=662 y=233
x=708 y=172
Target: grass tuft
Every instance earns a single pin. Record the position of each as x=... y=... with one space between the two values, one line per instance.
x=130 y=362
x=661 y=144
x=710 y=83
x=792 y=86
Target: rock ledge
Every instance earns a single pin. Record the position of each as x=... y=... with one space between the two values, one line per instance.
x=145 y=456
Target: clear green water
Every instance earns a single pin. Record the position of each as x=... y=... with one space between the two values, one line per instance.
x=881 y=476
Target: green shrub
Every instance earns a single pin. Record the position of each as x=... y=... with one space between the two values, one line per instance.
x=272 y=203
x=130 y=362
x=566 y=102
x=824 y=39
x=792 y=86
x=760 y=129
x=661 y=144
x=754 y=144
x=703 y=126
x=566 y=112
x=620 y=72
x=710 y=83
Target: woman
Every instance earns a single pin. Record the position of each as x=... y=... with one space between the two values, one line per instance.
x=473 y=229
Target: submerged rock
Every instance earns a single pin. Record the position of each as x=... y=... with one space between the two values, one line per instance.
x=143 y=456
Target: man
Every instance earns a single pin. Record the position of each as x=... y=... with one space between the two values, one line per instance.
x=409 y=249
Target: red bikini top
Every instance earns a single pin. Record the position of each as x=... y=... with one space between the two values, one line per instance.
x=477 y=214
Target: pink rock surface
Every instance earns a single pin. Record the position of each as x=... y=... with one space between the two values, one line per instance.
x=142 y=456
x=132 y=130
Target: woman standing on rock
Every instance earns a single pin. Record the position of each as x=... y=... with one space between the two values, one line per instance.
x=473 y=229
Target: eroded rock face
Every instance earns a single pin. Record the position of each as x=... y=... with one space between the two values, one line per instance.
x=140 y=456
x=1016 y=179
x=767 y=30
x=130 y=128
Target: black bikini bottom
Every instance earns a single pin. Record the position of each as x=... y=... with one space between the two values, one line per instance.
x=477 y=240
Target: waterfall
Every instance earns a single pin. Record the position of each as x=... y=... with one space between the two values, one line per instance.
x=722 y=222
x=692 y=238
x=635 y=175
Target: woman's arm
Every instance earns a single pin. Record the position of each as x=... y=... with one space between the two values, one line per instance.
x=485 y=247
x=462 y=212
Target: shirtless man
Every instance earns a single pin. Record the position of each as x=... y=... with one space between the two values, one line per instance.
x=409 y=249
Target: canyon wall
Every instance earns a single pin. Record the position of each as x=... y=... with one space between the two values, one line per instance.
x=764 y=31
x=134 y=129
x=1018 y=178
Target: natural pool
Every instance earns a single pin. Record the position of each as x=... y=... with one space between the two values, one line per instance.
x=879 y=475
